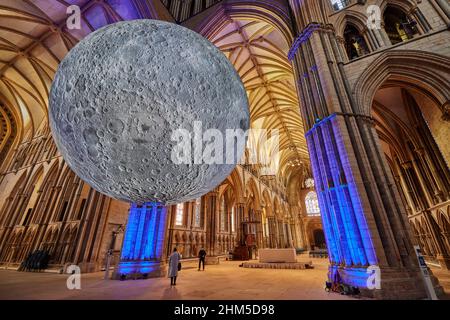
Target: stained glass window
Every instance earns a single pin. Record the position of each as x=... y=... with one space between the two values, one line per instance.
x=312 y=204
x=197 y=213
x=179 y=214
x=339 y=4
x=233 y=227
x=223 y=214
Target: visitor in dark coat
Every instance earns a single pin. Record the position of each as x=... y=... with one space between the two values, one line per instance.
x=201 y=258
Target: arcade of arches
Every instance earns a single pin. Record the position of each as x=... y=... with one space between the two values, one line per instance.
x=363 y=160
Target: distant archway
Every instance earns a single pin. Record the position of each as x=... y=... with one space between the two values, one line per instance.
x=319 y=238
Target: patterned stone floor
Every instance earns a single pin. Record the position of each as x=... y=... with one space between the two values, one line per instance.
x=224 y=281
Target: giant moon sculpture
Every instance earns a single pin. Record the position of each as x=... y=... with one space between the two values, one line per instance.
x=120 y=94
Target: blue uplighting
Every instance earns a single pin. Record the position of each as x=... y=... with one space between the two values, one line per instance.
x=142 y=248
x=141 y=233
x=302 y=38
x=348 y=238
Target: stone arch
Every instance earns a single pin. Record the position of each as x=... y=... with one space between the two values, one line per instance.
x=10 y=131
x=177 y=238
x=421 y=234
x=227 y=201
x=46 y=243
x=12 y=247
x=229 y=194
x=25 y=245
x=6 y=209
x=17 y=235
x=386 y=132
x=45 y=192
x=355 y=42
x=443 y=222
x=268 y=201
x=36 y=175
x=403 y=5
x=427 y=237
x=236 y=183
x=418 y=70
x=62 y=245
x=252 y=190
x=412 y=223
x=73 y=236
x=52 y=240
x=29 y=205
x=67 y=184
x=14 y=116
x=396 y=23
x=277 y=208
x=356 y=19
x=50 y=176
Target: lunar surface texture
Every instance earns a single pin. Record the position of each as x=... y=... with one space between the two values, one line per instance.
x=119 y=95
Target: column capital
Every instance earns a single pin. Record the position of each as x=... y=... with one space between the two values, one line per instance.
x=303 y=36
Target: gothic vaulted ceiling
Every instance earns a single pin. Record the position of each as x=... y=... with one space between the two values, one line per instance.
x=34 y=38
x=259 y=53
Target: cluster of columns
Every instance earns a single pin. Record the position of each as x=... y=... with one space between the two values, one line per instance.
x=143 y=252
x=424 y=178
x=147 y=243
x=363 y=220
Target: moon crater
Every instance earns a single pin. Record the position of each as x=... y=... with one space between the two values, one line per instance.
x=121 y=92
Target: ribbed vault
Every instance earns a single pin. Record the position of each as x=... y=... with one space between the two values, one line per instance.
x=259 y=53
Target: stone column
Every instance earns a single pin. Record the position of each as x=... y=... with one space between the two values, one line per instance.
x=143 y=244
x=383 y=37
x=272 y=232
x=373 y=40
x=417 y=15
x=240 y=208
x=342 y=49
x=287 y=233
x=258 y=227
x=445 y=258
x=362 y=213
x=293 y=233
x=212 y=222
x=445 y=7
x=409 y=191
x=439 y=239
x=281 y=231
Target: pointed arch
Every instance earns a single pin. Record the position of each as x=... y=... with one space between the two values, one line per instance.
x=356 y=19
x=417 y=70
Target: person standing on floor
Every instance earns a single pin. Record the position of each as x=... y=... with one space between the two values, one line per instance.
x=201 y=258
x=174 y=259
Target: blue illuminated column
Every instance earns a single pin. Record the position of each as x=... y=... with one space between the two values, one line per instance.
x=143 y=244
x=364 y=221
